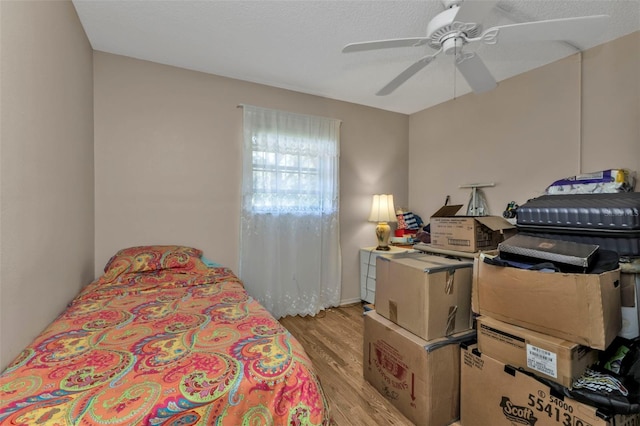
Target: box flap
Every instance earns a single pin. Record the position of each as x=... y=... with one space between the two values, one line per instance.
x=447 y=211
x=495 y=223
x=432 y=264
x=528 y=335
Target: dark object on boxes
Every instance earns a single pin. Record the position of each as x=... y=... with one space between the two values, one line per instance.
x=511 y=212
x=611 y=221
x=612 y=384
x=423 y=237
x=606 y=260
x=608 y=391
x=625 y=244
x=619 y=211
x=567 y=256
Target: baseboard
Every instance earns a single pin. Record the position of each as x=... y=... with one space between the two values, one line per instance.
x=350 y=301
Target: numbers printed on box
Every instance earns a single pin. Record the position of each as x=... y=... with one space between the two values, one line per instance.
x=555 y=409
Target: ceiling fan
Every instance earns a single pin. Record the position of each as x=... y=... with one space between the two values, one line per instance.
x=461 y=23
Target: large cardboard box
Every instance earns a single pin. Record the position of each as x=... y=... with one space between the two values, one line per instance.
x=630 y=300
x=428 y=295
x=582 y=308
x=546 y=356
x=467 y=233
x=495 y=394
x=420 y=378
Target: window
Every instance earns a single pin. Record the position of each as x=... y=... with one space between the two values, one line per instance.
x=288 y=173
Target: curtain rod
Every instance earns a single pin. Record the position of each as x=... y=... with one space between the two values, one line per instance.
x=288 y=112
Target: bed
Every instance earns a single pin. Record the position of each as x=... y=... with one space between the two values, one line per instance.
x=161 y=338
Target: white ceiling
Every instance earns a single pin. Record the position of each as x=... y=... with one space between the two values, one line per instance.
x=296 y=44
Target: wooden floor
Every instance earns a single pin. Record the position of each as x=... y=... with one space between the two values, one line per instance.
x=333 y=341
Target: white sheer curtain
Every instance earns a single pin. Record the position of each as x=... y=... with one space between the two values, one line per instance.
x=290 y=246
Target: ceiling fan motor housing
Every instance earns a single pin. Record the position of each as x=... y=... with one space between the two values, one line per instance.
x=443 y=28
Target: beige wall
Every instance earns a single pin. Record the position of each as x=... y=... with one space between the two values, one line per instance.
x=168 y=157
x=611 y=106
x=530 y=131
x=46 y=167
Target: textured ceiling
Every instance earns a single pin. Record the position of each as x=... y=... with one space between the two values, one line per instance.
x=296 y=44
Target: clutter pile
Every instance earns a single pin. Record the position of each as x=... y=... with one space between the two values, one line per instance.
x=408 y=227
x=557 y=332
x=540 y=327
x=422 y=312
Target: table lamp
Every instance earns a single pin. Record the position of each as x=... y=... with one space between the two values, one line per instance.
x=383 y=211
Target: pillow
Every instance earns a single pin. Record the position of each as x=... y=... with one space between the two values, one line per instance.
x=210 y=263
x=151 y=258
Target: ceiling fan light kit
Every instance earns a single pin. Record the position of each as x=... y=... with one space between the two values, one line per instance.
x=460 y=24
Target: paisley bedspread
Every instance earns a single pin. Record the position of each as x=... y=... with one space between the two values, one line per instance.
x=171 y=346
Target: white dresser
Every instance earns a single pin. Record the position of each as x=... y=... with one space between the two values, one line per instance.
x=368 y=256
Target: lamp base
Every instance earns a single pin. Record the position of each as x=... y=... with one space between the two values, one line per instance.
x=383 y=231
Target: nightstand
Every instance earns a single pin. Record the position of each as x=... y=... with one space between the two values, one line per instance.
x=368 y=256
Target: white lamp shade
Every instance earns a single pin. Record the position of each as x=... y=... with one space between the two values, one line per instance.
x=382 y=209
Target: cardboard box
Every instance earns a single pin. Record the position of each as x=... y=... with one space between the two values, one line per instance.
x=582 y=308
x=630 y=300
x=555 y=359
x=467 y=233
x=494 y=394
x=428 y=295
x=421 y=380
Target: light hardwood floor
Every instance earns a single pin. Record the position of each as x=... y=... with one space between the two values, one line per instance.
x=333 y=341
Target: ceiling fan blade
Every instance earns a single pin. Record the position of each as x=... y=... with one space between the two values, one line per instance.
x=406 y=74
x=549 y=30
x=473 y=69
x=474 y=11
x=385 y=44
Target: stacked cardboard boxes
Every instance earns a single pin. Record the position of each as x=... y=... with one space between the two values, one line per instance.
x=551 y=325
x=421 y=378
x=510 y=397
x=531 y=326
x=411 y=350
